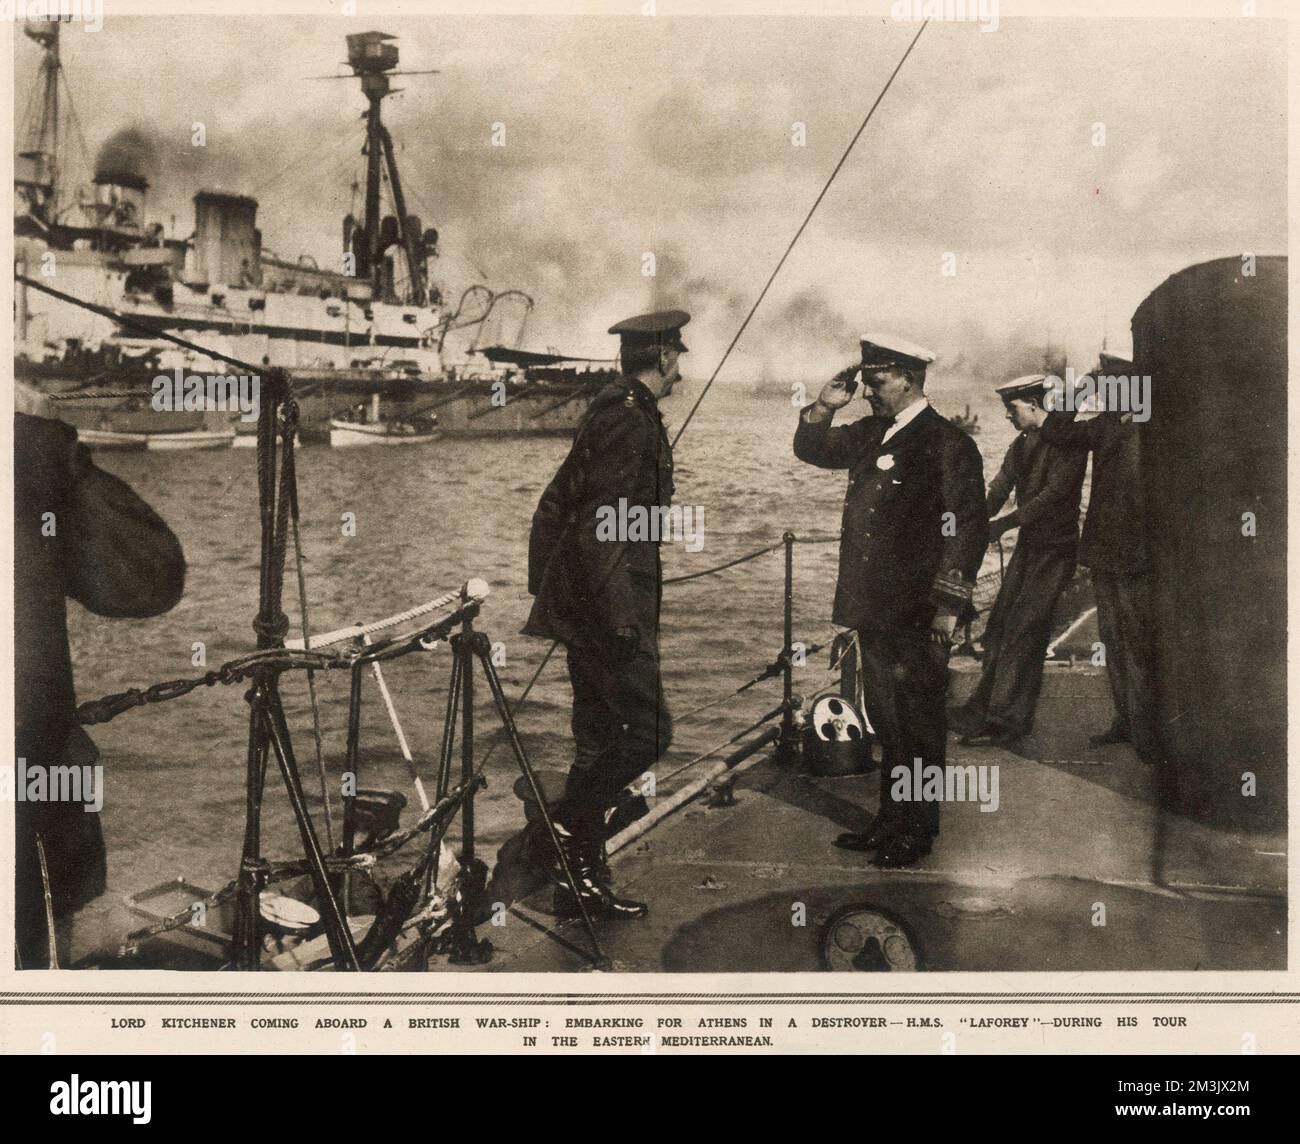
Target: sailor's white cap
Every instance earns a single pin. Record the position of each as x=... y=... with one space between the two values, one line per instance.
x=32 y=401
x=881 y=349
x=1030 y=385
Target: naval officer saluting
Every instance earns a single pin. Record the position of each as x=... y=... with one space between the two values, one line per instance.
x=600 y=597
x=913 y=535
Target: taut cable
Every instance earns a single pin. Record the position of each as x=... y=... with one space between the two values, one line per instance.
x=798 y=233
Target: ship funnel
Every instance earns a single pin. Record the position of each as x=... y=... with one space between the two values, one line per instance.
x=121 y=180
x=227 y=245
x=125 y=159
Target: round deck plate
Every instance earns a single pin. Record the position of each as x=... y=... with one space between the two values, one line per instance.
x=863 y=938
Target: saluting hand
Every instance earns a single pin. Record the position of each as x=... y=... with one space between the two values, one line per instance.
x=837 y=392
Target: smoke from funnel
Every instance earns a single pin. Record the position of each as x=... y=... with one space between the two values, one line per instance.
x=126 y=157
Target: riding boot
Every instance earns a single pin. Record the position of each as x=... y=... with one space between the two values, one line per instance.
x=584 y=857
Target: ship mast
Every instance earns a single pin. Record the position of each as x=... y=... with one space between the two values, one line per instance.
x=41 y=146
x=372 y=56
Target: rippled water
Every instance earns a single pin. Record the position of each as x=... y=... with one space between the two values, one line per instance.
x=426 y=519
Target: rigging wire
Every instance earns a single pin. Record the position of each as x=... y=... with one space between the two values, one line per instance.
x=76 y=118
x=757 y=302
x=313 y=153
x=798 y=233
x=311 y=675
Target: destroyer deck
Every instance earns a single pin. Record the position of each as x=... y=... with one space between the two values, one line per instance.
x=1012 y=890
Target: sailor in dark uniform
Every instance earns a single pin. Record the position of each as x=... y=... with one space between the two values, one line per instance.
x=79 y=533
x=1114 y=547
x=913 y=535
x=1047 y=481
x=600 y=596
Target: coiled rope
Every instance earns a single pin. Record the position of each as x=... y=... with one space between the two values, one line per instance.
x=360 y=631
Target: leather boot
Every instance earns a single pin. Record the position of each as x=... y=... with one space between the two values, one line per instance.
x=585 y=861
x=869 y=839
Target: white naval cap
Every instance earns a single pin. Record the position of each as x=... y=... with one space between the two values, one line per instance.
x=881 y=349
x=1030 y=385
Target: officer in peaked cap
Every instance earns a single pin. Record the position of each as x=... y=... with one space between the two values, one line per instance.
x=1047 y=481
x=881 y=351
x=647 y=331
x=599 y=595
x=913 y=536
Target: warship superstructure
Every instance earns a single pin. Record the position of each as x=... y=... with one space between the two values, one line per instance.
x=366 y=340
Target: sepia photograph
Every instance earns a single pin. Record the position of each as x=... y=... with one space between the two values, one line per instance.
x=638 y=490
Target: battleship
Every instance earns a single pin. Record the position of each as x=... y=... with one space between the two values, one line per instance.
x=368 y=342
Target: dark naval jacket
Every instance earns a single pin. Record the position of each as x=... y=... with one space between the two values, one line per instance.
x=588 y=584
x=898 y=562
x=1047 y=480
x=1114 y=531
x=80 y=533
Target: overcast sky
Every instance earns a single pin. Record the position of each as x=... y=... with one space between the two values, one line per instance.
x=673 y=136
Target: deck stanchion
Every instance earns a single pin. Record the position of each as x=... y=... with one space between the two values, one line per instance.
x=467 y=645
x=464 y=648
x=787 y=750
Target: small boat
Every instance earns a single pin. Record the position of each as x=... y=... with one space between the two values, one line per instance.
x=346 y=434
x=121 y=441
x=111 y=439
x=191 y=439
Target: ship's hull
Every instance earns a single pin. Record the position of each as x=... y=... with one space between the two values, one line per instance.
x=478 y=408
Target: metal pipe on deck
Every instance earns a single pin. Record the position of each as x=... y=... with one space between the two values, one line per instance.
x=693 y=789
x=788 y=748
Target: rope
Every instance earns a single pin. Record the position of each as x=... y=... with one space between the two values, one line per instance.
x=359 y=631
x=798 y=233
x=311 y=675
x=749 y=556
x=722 y=567
x=99 y=393
x=277 y=659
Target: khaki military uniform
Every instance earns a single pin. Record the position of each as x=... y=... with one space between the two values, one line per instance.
x=600 y=596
